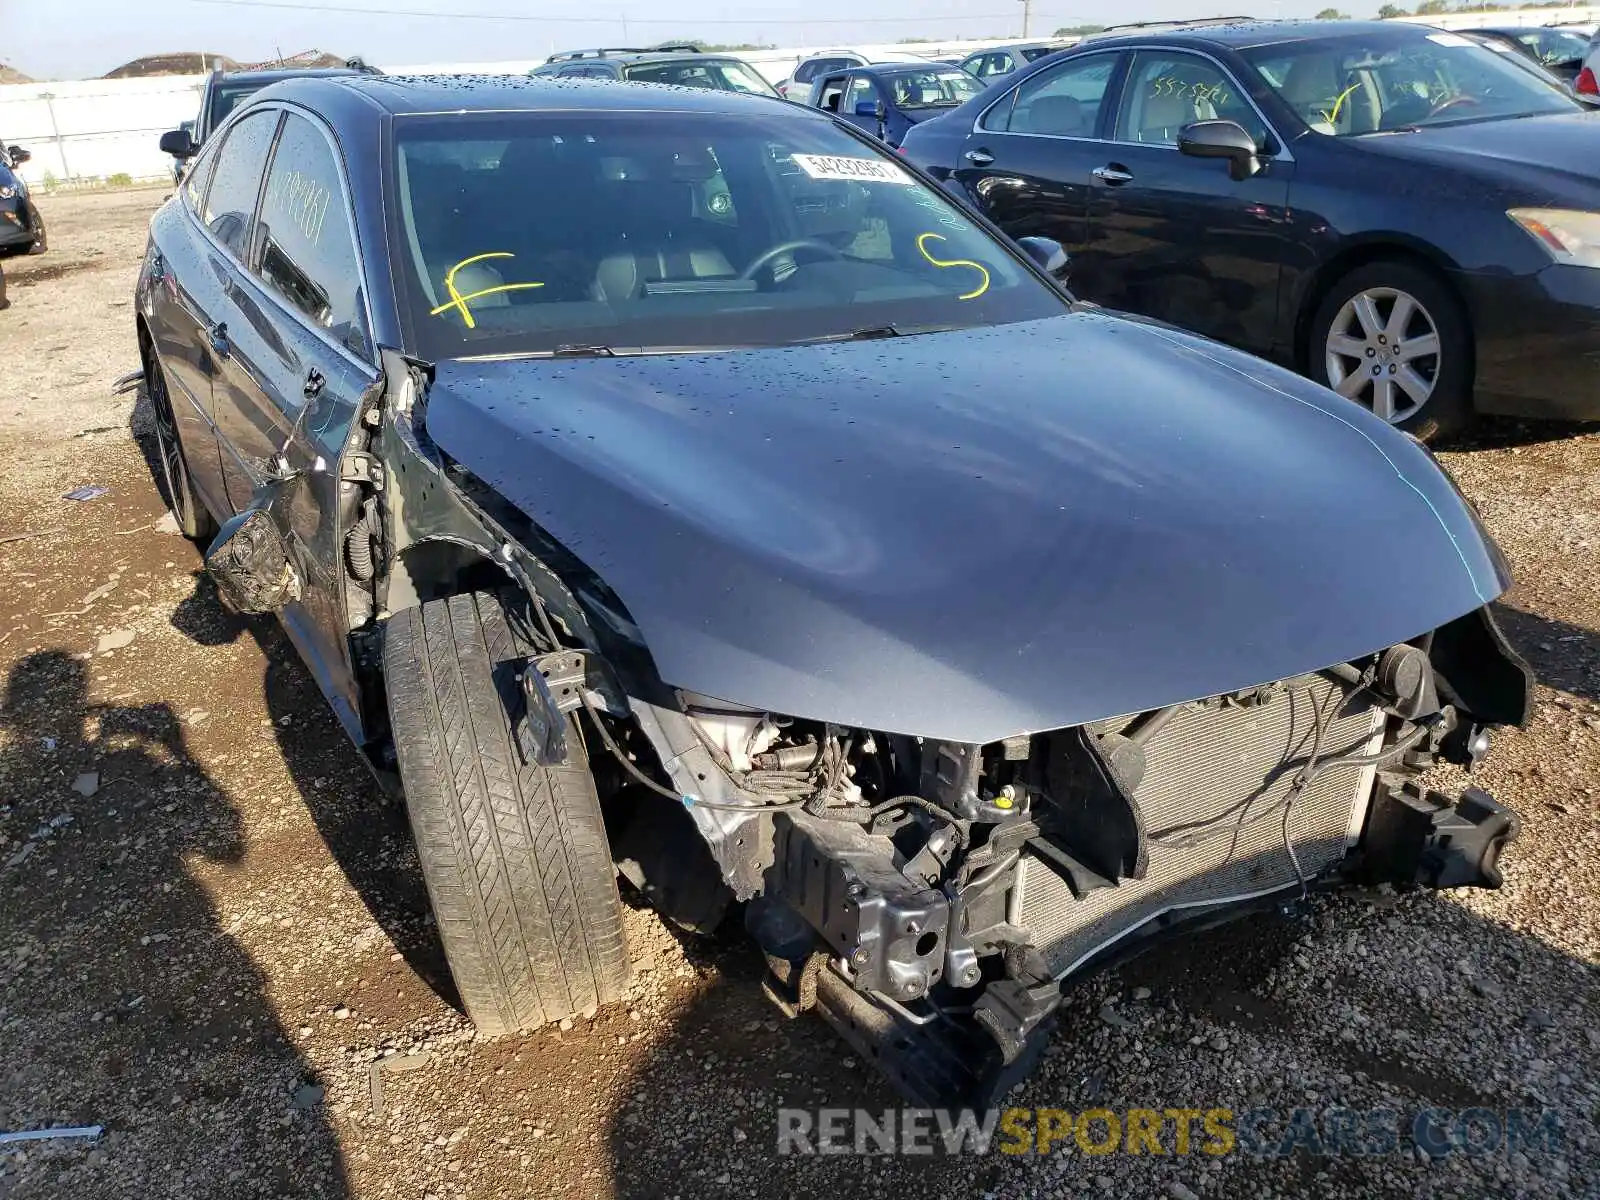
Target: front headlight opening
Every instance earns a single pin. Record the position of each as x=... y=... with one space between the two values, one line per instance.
x=1567 y=235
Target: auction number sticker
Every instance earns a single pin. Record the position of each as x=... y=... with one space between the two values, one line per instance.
x=861 y=170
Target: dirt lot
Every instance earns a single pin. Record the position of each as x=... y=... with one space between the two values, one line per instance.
x=211 y=928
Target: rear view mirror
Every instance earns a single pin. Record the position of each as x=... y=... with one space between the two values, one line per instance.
x=18 y=155
x=1221 y=139
x=250 y=564
x=178 y=143
x=1047 y=253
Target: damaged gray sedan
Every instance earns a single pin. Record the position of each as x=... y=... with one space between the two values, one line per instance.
x=672 y=485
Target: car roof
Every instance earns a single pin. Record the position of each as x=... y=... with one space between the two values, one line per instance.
x=632 y=54
x=1245 y=34
x=902 y=68
x=405 y=95
x=273 y=74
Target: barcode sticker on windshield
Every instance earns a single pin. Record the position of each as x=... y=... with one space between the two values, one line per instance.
x=862 y=170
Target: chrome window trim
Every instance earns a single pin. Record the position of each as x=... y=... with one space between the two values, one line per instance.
x=249 y=273
x=1283 y=153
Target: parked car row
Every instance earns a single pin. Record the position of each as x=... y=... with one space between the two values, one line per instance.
x=674 y=483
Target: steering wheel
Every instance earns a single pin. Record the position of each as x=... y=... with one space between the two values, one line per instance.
x=1451 y=103
x=766 y=256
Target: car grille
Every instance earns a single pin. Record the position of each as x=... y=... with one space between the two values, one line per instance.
x=1205 y=761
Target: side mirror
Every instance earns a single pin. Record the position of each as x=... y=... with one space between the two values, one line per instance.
x=250 y=564
x=867 y=108
x=1221 y=139
x=178 y=143
x=18 y=154
x=1047 y=253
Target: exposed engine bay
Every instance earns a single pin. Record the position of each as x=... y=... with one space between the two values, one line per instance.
x=931 y=898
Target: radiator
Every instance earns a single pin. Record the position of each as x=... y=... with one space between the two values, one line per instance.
x=1205 y=761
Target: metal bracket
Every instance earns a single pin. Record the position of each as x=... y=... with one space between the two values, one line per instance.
x=358 y=466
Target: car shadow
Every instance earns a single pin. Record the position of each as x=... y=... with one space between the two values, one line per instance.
x=128 y=1003
x=1503 y=433
x=365 y=831
x=1562 y=655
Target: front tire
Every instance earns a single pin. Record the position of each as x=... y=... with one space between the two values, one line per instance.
x=1392 y=337
x=514 y=854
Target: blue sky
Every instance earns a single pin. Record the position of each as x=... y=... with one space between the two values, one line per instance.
x=65 y=39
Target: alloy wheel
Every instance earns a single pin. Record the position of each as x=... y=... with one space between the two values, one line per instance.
x=1383 y=352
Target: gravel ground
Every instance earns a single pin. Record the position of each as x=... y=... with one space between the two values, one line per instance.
x=212 y=929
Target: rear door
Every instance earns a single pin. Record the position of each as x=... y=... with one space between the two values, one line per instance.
x=189 y=325
x=1176 y=237
x=301 y=356
x=1028 y=163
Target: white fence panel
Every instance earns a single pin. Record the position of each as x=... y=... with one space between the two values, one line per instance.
x=96 y=128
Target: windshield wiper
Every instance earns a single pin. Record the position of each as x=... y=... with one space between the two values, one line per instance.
x=571 y=350
x=873 y=332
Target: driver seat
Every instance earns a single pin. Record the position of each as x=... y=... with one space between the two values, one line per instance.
x=659 y=239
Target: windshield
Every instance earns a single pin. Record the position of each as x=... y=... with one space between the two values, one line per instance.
x=1552 y=46
x=720 y=76
x=228 y=96
x=933 y=89
x=1381 y=81
x=529 y=232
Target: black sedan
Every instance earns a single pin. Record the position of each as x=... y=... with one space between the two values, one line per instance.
x=21 y=226
x=628 y=465
x=1393 y=210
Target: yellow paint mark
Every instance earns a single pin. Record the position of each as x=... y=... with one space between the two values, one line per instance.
x=459 y=302
x=1332 y=118
x=922 y=240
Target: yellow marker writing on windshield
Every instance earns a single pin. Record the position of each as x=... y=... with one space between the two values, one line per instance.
x=1332 y=118
x=983 y=287
x=459 y=302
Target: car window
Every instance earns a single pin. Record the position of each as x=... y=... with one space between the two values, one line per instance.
x=226 y=97
x=1552 y=46
x=587 y=72
x=861 y=91
x=1033 y=52
x=944 y=88
x=236 y=179
x=1402 y=78
x=830 y=93
x=197 y=176
x=668 y=230
x=1063 y=102
x=307 y=250
x=727 y=76
x=1167 y=91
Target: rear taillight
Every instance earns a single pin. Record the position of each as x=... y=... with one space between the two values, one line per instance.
x=1586 y=84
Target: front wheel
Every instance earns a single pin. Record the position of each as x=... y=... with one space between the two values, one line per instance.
x=1393 y=338
x=514 y=854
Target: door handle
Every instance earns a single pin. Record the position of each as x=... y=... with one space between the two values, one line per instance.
x=979 y=158
x=313 y=384
x=218 y=335
x=1112 y=174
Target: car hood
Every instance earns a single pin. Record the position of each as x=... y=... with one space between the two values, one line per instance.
x=980 y=533
x=1557 y=151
